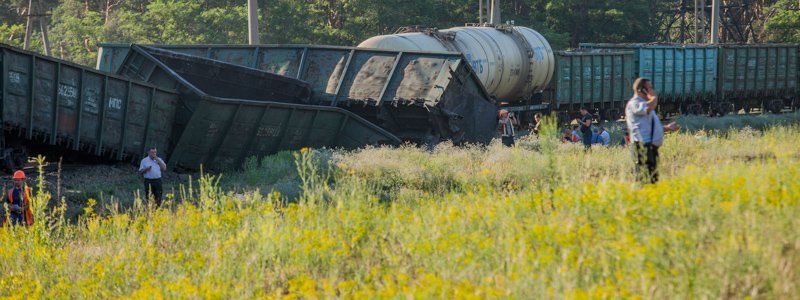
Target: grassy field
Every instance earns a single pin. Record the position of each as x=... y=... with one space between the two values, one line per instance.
x=543 y=219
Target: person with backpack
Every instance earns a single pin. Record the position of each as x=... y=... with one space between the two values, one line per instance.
x=645 y=129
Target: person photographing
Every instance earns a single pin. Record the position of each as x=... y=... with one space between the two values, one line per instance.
x=645 y=129
x=19 y=202
x=505 y=125
x=150 y=168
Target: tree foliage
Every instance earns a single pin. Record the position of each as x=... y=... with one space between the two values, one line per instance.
x=785 y=25
x=76 y=26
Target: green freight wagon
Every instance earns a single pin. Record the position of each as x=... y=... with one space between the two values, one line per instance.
x=597 y=79
x=758 y=76
x=685 y=76
x=418 y=96
x=50 y=102
x=220 y=132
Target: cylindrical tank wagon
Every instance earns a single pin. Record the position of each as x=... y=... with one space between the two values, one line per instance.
x=512 y=62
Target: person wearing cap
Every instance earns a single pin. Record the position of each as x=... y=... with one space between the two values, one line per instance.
x=150 y=168
x=19 y=202
x=506 y=127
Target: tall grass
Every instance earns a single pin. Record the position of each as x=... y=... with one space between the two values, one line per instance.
x=543 y=219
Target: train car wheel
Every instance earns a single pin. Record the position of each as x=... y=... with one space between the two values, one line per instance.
x=775 y=106
x=20 y=156
x=694 y=109
x=8 y=162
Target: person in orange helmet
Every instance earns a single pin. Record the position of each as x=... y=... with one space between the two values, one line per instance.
x=19 y=202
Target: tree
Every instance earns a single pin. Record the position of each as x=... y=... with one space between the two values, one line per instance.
x=76 y=26
x=785 y=25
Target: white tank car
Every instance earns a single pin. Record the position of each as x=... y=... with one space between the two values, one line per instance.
x=513 y=62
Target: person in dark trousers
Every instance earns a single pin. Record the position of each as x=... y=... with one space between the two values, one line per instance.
x=19 y=202
x=645 y=129
x=150 y=168
x=586 y=127
x=506 y=127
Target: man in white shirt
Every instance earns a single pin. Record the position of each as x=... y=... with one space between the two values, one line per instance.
x=645 y=129
x=150 y=168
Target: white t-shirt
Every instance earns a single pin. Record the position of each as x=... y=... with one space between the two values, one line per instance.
x=155 y=170
x=644 y=127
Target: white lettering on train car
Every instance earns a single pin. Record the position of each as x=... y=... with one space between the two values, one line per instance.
x=114 y=103
x=14 y=77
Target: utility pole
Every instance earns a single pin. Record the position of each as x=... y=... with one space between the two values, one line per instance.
x=252 y=22
x=698 y=33
x=494 y=15
x=32 y=17
x=480 y=11
x=715 y=21
x=683 y=21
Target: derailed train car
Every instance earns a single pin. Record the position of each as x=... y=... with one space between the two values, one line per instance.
x=217 y=130
x=54 y=103
x=417 y=96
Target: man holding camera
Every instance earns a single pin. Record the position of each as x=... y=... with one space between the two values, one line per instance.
x=646 y=131
x=506 y=127
x=19 y=203
x=150 y=168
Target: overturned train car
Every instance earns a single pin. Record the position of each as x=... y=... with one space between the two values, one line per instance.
x=53 y=105
x=417 y=96
x=230 y=112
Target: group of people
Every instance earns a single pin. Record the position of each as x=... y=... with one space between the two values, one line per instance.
x=644 y=134
x=18 y=212
x=597 y=136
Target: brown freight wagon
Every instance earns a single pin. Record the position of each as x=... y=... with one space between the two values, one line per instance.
x=55 y=103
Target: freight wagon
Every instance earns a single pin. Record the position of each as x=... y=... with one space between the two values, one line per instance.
x=417 y=96
x=718 y=79
x=758 y=76
x=53 y=103
x=599 y=80
x=218 y=131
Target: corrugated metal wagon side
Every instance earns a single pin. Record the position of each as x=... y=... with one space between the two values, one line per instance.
x=593 y=78
x=220 y=132
x=417 y=96
x=53 y=102
x=685 y=75
x=758 y=76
